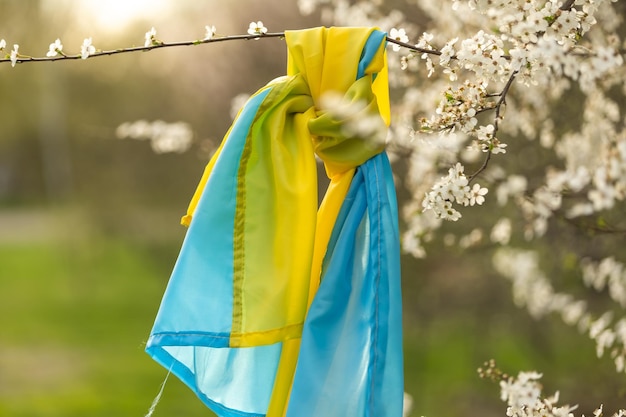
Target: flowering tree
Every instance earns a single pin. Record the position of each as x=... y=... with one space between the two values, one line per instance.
x=491 y=76
x=479 y=91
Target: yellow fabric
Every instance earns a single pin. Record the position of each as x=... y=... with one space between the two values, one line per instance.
x=275 y=219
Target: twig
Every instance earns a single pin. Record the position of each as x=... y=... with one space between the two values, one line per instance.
x=159 y=45
x=482 y=167
x=415 y=48
x=502 y=99
x=496 y=123
x=155 y=45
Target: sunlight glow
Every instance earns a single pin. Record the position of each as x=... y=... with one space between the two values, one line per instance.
x=116 y=15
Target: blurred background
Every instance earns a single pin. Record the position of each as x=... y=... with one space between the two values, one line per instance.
x=89 y=222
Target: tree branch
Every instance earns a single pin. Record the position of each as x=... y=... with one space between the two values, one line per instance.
x=155 y=45
x=413 y=47
x=496 y=123
x=159 y=45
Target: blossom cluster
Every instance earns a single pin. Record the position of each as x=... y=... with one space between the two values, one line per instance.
x=458 y=110
x=524 y=395
x=257 y=28
x=543 y=38
x=453 y=188
x=164 y=137
x=533 y=290
x=609 y=274
x=543 y=44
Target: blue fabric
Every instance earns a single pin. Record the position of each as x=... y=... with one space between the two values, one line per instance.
x=185 y=338
x=369 y=51
x=352 y=338
x=208 y=250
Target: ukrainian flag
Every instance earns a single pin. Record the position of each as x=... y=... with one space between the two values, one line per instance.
x=275 y=308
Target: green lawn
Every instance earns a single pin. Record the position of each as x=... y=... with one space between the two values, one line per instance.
x=76 y=313
x=75 y=318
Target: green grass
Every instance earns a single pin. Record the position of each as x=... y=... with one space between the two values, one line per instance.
x=75 y=319
x=76 y=313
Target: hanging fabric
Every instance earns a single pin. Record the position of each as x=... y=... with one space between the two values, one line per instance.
x=275 y=308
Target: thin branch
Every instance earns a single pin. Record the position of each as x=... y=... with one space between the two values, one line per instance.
x=160 y=45
x=482 y=167
x=502 y=99
x=496 y=123
x=155 y=45
x=415 y=48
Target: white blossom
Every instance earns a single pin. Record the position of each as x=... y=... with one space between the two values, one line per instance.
x=14 y=54
x=55 y=48
x=209 y=32
x=257 y=28
x=3 y=44
x=87 y=49
x=473 y=238
x=447 y=52
x=307 y=7
x=164 y=137
x=399 y=35
x=523 y=391
x=501 y=231
x=477 y=195
x=150 y=37
x=237 y=103
x=485 y=133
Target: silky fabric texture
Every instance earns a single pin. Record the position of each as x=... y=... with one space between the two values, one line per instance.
x=350 y=360
x=232 y=316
